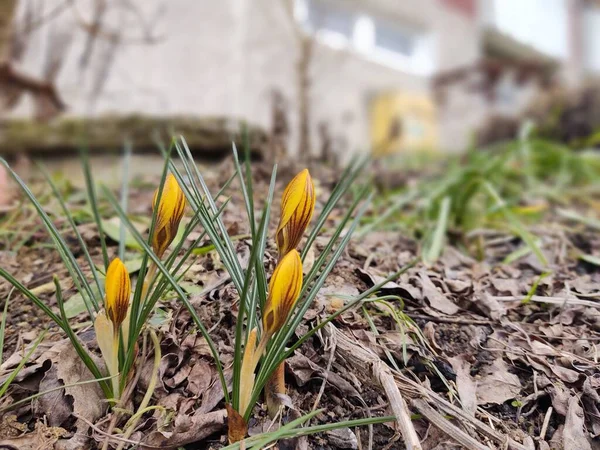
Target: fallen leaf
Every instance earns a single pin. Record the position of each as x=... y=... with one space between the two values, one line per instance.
x=466 y=386
x=54 y=405
x=497 y=384
x=43 y=437
x=200 y=378
x=437 y=300
x=186 y=429
x=342 y=438
x=574 y=435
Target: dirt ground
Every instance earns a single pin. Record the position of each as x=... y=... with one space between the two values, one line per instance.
x=483 y=354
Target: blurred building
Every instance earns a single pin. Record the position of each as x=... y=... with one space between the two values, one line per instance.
x=326 y=76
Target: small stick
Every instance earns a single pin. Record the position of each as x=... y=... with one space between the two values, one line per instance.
x=446 y=426
x=454 y=320
x=551 y=300
x=110 y=437
x=326 y=375
x=545 y=424
x=381 y=373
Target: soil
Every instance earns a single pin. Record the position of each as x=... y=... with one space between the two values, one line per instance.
x=521 y=363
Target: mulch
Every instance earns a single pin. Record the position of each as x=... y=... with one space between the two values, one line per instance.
x=465 y=340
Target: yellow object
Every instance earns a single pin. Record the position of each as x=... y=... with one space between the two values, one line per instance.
x=297 y=207
x=108 y=341
x=247 y=371
x=118 y=291
x=284 y=290
x=170 y=211
x=402 y=122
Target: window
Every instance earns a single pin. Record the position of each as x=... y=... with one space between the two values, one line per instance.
x=324 y=17
x=380 y=40
x=395 y=39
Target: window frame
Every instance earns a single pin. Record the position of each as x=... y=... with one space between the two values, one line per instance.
x=421 y=61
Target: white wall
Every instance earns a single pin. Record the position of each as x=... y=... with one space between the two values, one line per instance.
x=591 y=39
x=226 y=57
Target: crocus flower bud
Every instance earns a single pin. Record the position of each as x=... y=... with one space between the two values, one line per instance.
x=118 y=291
x=297 y=207
x=284 y=290
x=170 y=211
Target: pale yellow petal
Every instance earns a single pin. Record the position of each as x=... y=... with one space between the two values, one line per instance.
x=104 y=337
x=247 y=371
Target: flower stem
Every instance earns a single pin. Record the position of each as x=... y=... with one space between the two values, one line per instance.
x=149 y=392
x=114 y=363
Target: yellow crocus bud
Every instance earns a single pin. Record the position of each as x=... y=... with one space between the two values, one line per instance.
x=170 y=211
x=284 y=290
x=297 y=207
x=118 y=291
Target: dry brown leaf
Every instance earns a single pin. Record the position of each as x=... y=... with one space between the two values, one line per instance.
x=342 y=438
x=466 y=386
x=507 y=286
x=200 y=378
x=55 y=405
x=489 y=305
x=305 y=370
x=186 y=429
x=574 y=435
x=404 y=290
x=43 y=437
x=437 y=300
x=85 y=401
x=497 y=384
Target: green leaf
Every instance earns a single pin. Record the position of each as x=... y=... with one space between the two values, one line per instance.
x=15 y=372
x=3 y=323
x=75 y=305
x=173 y=283
x=572 y=215
x=595 y=260
x=112 y=228
x=191 y=288
x=534 y=287
x=433 y=251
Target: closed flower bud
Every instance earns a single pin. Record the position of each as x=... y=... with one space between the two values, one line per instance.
x=284 y=290
x=170 y=211
x=118 y=291
x=297 y=207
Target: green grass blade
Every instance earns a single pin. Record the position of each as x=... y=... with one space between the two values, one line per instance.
x=124 y=196
x=349 y=175
x=27 y=293
x=182 y=296
x=519 y=229
x=294 y=429
x=261 y=242
x=246 y=185
x=433 y=251
x=91 y=189
x=576 y=217
x=81 y=352
x=3 y=324
x=356 y=301
x=82 y=244
x=61 y=246
x=248 y=303
x=18 y=369
x=309 y=291
x=213 y=208
x=48 y=391
x=212 y=224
